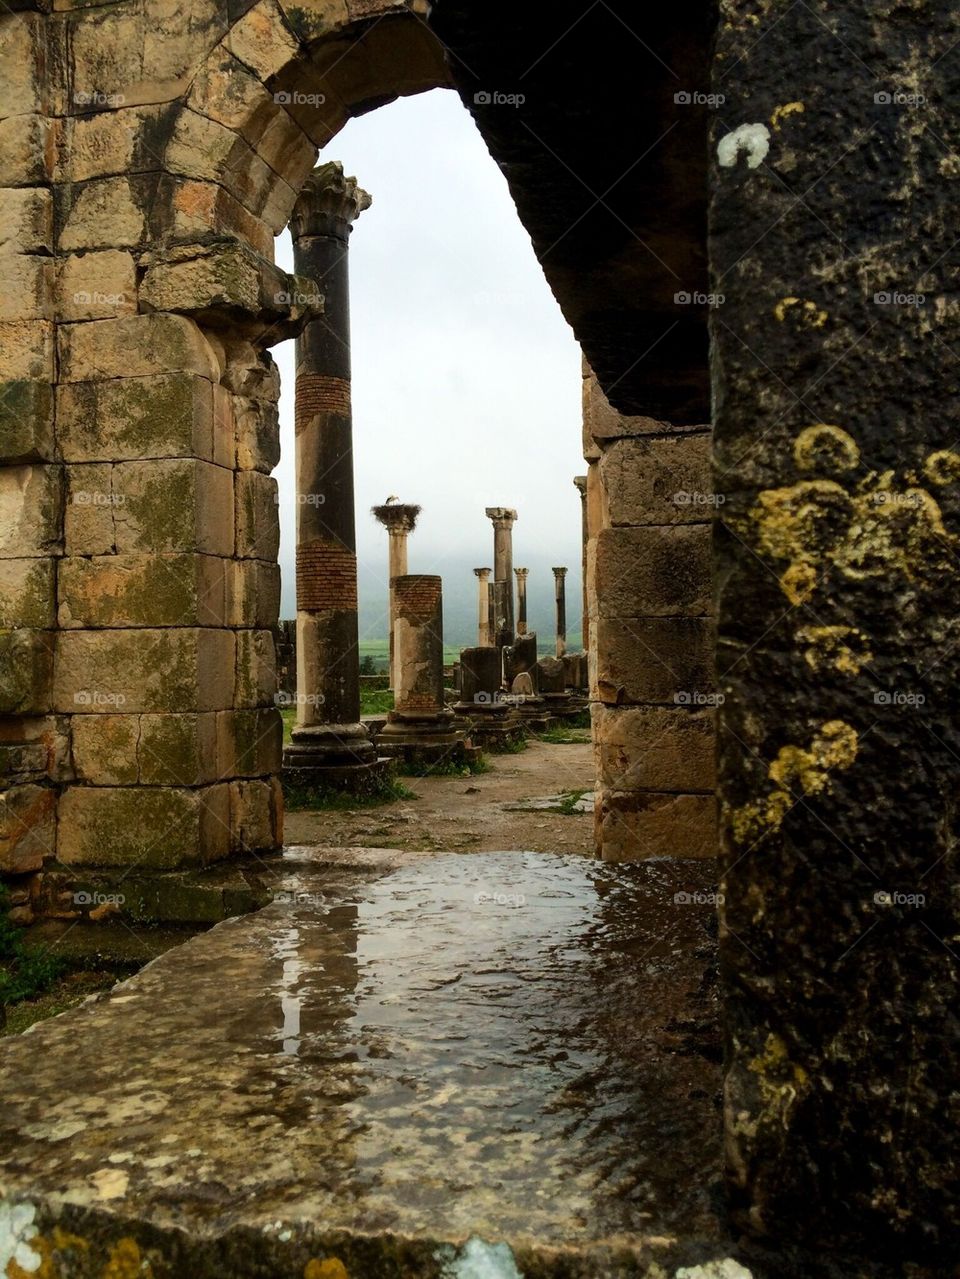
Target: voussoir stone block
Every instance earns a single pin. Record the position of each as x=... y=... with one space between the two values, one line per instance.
x=26 y=672
x=658 y=480
x=30 y=511
x=152 y=827
x=96 y=286
x=26 y=422
x=28 y=593
x=654 y=748
x=143 y=590
x=174 y=669
x=634 y=826
x=27 y=828
x=124 y=419
x=134 y=346
x=258 y=516
x=652 y=659
x=654 y=572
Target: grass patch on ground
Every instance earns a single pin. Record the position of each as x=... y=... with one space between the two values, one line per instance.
x=569 y=801
x=64 y=993
x=561 y=736
x=445 y=768
x=25 y=971
x=516 y=747
x=319 y=799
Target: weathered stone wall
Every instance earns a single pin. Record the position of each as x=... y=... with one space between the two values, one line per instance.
x=652 y=685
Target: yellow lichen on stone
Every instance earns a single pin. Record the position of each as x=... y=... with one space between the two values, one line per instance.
x=126 y=1262
x=825 y=448
x=943 y=467
x=839 y=648
x=796 y=769
x=789 y=108
x=807 y=312
x=331 y=1268
x=780 y=1080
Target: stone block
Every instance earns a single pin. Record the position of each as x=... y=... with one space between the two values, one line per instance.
x=26 y=422
x=262 y=41
x=28 y=593
x=26 y=220
x=28 y=828
x=257 y=432
x=659 y=480
x=254 y=593
x=258 y=516
x=96 y=286
x=104 y=143
x=22 y=62
x=27 y=150
x=250 y=742
x=105 y=749
x=125 y=419
x=633 y=827
x=176 y=669
x=102 y=214
x=152 y=827
x=143 y=590
x=30 y=511
x=178 y=750
x=27 y=351
x=655 y=748
x=654 y=572
x=173 y=505
x=256 y=673
x=32 y=746
x=26 y=287
x=654 y=660
x=254 y=819
x=88 y=518
x=134 y=346
x=26 y=671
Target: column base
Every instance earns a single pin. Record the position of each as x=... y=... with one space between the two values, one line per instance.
x=492 y=728
x=425 y=739
x=334 y=757
x=533 y=713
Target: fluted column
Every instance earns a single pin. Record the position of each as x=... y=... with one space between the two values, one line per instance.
x=521 y=575
x=560 y=586
x=581 y=482
x=328 y=732
x=503 y=521
x=484 y=633
x=399 y=521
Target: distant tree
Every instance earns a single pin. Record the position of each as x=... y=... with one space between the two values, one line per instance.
x=368 y=666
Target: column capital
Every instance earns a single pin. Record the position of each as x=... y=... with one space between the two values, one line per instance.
x=483 y=573
x=521 y=573
x=581 y=482
x=559 y=573
x=328 y=204
x=502 y=516
x=396 y=517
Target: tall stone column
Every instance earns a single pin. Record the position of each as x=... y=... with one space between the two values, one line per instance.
x=560 y=590
x=328 y=737
x=484 y=631
x=503 y=522
x=399 y=521
x=521 y=575
x=581 y=482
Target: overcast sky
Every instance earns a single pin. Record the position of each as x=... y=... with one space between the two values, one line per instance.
x=466 y=377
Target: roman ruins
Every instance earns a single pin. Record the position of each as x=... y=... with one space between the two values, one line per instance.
x=746 y=214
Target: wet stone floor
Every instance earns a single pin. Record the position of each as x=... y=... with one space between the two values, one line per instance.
x=399 y=1053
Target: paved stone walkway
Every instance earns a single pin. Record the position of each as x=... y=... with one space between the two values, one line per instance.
x=401 y=1052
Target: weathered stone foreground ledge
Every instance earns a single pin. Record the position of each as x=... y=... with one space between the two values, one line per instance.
x=405 y=1053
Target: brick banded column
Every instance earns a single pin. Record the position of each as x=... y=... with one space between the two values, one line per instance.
x=420 y=726
x=521 y=574
x=503 y=522
x=399 y=521
x=560 y=591
x=484 y=630
x=328 y=732
x=581 y=482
